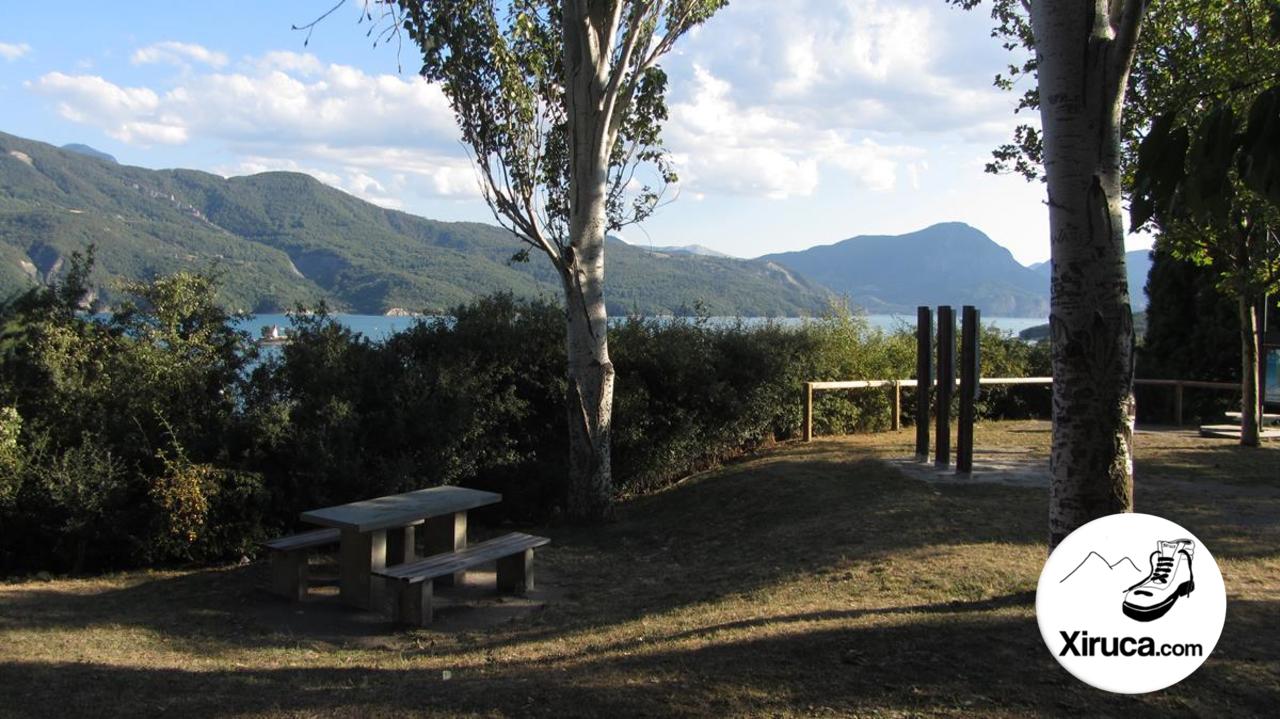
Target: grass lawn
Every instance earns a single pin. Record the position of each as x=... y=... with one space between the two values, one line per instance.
x=808 y=580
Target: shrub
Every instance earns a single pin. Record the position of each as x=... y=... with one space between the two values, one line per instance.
x=477 y=398
x=160 y=434
x=96 y=398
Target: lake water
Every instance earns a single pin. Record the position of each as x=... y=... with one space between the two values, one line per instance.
x=379 y=327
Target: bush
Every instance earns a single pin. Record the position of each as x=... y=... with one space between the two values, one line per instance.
x=160 y=434
x=96 y=403
x=477 y=398
x=1003 y=355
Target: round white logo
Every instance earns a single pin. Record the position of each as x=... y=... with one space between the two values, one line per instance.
x=1131 y=603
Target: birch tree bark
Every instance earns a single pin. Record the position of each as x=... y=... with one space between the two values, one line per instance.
x=588 y=39
x=1084 y=49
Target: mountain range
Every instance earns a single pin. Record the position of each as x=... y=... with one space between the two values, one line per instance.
x=282 y=238
x=945 y=264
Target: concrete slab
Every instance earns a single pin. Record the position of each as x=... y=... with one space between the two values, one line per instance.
x=1012 y=468
x=1232 y=431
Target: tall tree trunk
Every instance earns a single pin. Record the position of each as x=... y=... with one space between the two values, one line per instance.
x=588 y=32
x=1250 y=411
x=589 y=399
x=1084 y=51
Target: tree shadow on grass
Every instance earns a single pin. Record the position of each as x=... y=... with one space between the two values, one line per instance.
x=1230 y=464
x=944 y=660
x=1225 y=505
x=787 y=515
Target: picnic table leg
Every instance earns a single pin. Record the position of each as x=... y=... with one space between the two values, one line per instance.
x=515 y=573
x=413 y=603
x=446 y=533
x=361 y=553
x=400 y=545
x=289 y=574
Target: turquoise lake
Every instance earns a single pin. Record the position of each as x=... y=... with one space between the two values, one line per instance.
x=379 y=327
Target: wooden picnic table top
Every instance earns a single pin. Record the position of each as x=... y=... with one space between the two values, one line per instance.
x=400 y=510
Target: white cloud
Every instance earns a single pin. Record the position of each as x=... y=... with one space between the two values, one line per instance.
x=90 y=99
x=844 y=92
x=281 y=97
x=301 y=63
x=760 y=150
x=13 y=51
x=867 y=65
x=350 y=129
x=181 y=54
x=150 y=133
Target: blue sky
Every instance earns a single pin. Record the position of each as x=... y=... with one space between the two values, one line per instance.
x=793 y=123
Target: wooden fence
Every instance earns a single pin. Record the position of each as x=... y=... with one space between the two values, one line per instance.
x=895 y=389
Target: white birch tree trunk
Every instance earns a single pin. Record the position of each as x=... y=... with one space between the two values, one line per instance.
x=589 y=399
x=588 y=38
x=1084 y=48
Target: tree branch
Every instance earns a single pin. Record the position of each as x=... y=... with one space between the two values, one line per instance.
x=1126 y=22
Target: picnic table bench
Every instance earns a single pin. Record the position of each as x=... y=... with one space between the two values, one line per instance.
x=412 y=582
x=289 y=560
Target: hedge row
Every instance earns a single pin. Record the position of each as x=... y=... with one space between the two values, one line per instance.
x=163 y=434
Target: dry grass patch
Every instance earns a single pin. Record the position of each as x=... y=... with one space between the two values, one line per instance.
x=812 y=580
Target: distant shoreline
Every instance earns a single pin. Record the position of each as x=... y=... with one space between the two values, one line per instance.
x=377 y=327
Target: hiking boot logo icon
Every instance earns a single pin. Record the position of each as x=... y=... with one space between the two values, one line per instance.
x=1105 y=603
x=1171 y=577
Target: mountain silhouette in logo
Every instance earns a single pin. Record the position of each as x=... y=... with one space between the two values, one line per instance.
x=1095 y=565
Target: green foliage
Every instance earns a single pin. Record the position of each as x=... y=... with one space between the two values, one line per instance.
x=1260 y=146
x=1193 y=332
x=10 y=456
x=159 y=435
x=1189 y=180
x=689 y=395
x=1002 y=355
x=74 y=498
x=204 y=511
x=100 y=403
x=474 y=398
x=1209 y=179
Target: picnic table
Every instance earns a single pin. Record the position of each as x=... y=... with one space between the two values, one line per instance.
x=376 y=533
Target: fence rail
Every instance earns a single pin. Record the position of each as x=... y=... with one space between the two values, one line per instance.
x=896 y=385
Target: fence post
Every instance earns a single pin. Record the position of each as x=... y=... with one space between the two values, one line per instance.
x=946 y=383
x=924 y=377
x=808 y=411
x=897 y=405
x=969 y=373
x=1177 y=403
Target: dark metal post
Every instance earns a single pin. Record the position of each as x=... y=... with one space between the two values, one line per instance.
x=924 y=375
x=970 y=371
x=946 y=384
